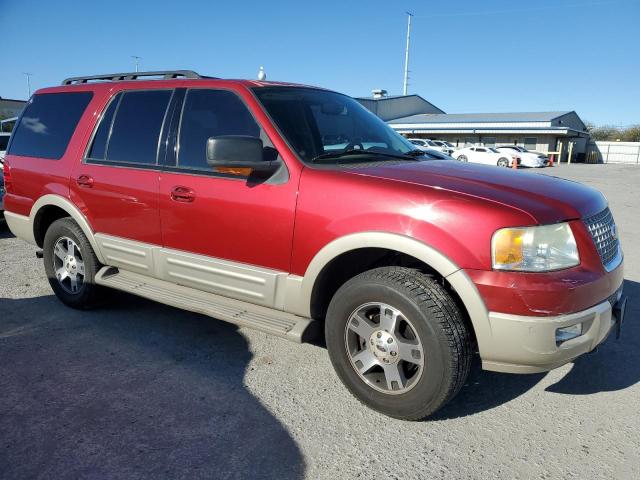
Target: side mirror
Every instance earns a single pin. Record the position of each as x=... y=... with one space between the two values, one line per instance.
x=237 y=152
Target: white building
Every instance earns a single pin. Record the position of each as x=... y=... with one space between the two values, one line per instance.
x=540 y=131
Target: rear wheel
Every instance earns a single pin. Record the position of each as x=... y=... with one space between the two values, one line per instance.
x=71 y=264
x=398 y=341
x=462 y=158
x=503 y=162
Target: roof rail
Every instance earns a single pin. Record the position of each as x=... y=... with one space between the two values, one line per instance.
x=165 y=74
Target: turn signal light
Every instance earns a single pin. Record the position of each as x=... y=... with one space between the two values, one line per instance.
x=507 y=244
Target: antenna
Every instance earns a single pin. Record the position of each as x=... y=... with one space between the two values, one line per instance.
x=262 y=76
x=406 y=55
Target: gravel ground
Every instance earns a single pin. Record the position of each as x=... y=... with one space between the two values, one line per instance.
x=140 y=390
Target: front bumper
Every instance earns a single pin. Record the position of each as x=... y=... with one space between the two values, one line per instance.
x=523 y=344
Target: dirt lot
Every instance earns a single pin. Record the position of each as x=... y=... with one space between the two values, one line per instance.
x=140 y=390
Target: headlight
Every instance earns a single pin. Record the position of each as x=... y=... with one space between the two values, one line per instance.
x=534 y=249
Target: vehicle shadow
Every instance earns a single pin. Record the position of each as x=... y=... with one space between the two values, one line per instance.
x=486 y=390
x=615 y=366
x=131 y=390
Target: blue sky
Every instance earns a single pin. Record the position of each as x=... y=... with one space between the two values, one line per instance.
x=466 y=56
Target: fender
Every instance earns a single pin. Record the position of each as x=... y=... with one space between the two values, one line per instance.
x=66 y=205
x=298 y=289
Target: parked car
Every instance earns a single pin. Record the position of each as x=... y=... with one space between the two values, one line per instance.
x=4 y=141
x=426 y=144
x=446 y=147
x=486 y=156
x=527 y=157
x=408 y=265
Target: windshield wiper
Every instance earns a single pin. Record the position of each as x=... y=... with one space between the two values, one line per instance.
x=339 y=154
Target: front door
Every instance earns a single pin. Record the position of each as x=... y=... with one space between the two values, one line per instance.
x=224 y=233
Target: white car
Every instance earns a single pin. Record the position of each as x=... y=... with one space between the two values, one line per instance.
x=527 y=157
x=426 y=144
x=486 y=156
x=447 y=147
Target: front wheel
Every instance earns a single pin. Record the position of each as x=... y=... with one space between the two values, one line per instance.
x=503 y=162
x=462 y=158
x=398 y=341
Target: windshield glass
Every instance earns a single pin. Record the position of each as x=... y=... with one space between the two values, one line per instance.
x=319 y=122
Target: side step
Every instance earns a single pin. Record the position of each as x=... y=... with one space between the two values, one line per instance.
x=275 y=322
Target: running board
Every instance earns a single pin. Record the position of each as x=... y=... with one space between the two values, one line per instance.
x=275 y=322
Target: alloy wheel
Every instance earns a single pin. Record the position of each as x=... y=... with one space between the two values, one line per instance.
x=68 y=265
x=384 y=348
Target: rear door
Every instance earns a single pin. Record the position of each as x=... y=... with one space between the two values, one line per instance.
x=116 y=185
x=223 y=232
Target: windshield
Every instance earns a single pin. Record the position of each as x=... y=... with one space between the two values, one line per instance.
x=322 y=123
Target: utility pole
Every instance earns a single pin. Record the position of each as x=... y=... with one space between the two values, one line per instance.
x=28 y=75
x=136 y=59
x=406 y=55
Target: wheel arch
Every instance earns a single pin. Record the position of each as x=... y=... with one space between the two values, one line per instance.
x=466 y=291
x=50 y=208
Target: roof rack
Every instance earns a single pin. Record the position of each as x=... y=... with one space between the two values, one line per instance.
x=114 y=77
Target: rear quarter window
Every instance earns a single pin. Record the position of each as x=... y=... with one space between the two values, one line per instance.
x=47 y=124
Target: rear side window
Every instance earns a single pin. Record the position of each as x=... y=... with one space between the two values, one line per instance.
x=99 y=145
x=47 y=124
x=4 y=140
x=136 y=127
x=211 y=113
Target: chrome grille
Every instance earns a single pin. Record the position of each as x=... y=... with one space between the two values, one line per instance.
x=604 y=233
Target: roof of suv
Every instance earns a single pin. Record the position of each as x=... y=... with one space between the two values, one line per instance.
x=169 y=78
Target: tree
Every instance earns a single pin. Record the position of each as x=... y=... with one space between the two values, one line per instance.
x=631 y=134
x=612 y=134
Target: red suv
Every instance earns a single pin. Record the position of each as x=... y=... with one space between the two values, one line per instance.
x=284 y=207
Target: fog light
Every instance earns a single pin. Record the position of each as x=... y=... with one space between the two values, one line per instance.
x=567 y=333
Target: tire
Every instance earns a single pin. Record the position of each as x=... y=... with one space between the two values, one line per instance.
x=428 y=320
x=462 y=158
x=503 y=162
x=83 y=266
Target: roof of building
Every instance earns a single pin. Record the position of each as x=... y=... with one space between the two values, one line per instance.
x=511 y=117
x=2 y=99
x=399 y=106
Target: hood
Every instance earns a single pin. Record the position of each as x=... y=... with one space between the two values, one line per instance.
x=547 y=199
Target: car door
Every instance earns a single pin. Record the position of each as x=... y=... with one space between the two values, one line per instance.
x=116 y=185
x=482 y=155
x=223 y=231
x=472 y=155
